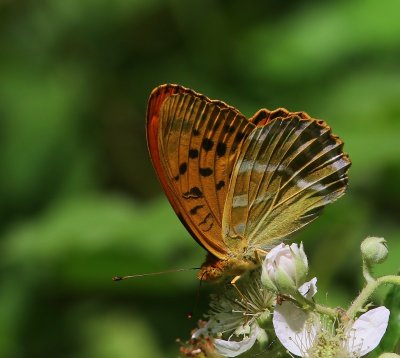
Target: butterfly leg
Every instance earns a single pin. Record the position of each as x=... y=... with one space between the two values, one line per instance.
x=235 y=279
x=233 y=283
x=260 y=254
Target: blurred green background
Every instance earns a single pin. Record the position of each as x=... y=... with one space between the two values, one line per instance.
x=80 y=201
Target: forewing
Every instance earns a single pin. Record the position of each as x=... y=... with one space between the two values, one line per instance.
x=288 y=170
x=194 y=143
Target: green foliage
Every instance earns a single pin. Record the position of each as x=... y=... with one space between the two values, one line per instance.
x=80 y=201
x=391 y=340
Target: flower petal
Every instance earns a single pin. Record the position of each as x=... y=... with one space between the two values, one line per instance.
x=300 y=262
x=287 y=264
x=368 y=330
x=309 y=289
x=266 y=280
x=221 y=322
x=276 y=251
x=235 y=348
x=295 y=328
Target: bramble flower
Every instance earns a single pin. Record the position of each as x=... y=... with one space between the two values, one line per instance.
x=284 y=268
x=236 y=320
x=231 y=348
x=308 y=334
x=241 y=316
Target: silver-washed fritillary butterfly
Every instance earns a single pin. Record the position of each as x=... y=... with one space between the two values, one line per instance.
x=241 y=185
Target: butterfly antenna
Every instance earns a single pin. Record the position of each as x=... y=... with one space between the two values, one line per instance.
x=120 y=278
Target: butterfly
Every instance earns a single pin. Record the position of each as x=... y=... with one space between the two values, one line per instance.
x=239 y=185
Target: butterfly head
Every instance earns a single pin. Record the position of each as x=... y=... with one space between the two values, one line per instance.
x=214 y=269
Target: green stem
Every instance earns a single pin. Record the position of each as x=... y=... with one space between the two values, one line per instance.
x=367 y=272
x=312 y=306
x=326 y=310
x=367 y=291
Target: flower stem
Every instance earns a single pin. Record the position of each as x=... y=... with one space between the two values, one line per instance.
x=312 y=306
x=367 y=291
x=367 y=272
x=326 y=310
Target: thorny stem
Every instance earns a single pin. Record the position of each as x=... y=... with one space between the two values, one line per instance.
x=367 y=291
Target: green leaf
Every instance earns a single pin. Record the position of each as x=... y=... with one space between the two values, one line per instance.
x=392 y=337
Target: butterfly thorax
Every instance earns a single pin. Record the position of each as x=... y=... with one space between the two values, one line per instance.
x=214 y=269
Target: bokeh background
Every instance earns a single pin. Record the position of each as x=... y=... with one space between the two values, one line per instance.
x=80 y=201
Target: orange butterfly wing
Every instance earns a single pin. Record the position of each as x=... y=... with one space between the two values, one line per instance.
x=194 y=143
x=286 y=165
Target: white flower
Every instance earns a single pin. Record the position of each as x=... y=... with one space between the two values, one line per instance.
x=367 y=331
x=306 y=334
x=231 y=348
x=284 y=268
x=236 y=320
x=294 y=327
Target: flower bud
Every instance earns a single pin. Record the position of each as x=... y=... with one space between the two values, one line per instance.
x=374 y=250
x=284 y=268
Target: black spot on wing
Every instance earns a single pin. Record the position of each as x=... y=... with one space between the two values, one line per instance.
x=205 y=172
x=195 y=132
x=182 y=168
x=207 y=144
x=221 y=149
x=193 y=153
x=193 y=211
x=220 y=185
x=193 y=193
